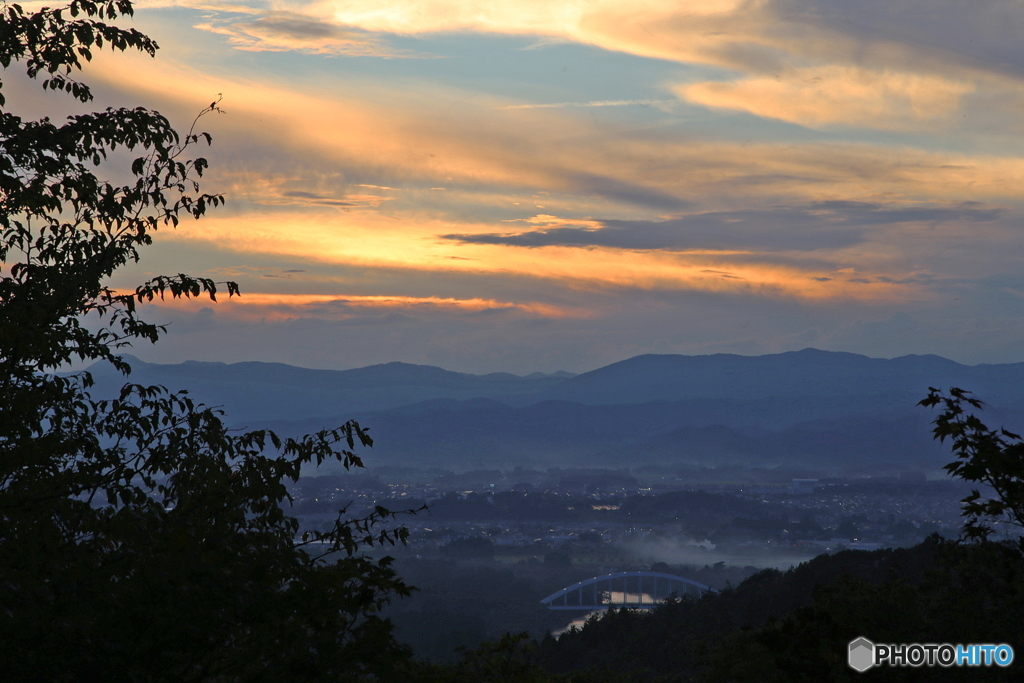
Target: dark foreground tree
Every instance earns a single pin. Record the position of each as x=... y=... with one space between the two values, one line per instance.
x=993 y=457
x=140 y=540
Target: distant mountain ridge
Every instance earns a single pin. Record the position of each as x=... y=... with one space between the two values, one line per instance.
x=809 y=372
x=274 y=391
x=810 y=408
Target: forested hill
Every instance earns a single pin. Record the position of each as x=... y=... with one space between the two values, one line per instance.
x=806 y=408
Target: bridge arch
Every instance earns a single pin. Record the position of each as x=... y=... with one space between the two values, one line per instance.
x=635 y=590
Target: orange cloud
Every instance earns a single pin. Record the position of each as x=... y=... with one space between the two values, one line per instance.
x=413 y=139
x=295 y=153
x=287 y=31
x=651 y=28
x=367 y=242
x=835 y=94
x=807 y=67
x=289 y=305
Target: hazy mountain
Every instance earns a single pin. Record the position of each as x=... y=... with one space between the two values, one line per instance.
x=254 y=391
x=860 y=444
x=796 y=374
x=485 y=433
x=808 y=408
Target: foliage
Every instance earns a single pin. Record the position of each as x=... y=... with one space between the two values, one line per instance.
x=972 y=594
x=140 y=539
x=509 y=660
x=989 y=456
x=464 y=604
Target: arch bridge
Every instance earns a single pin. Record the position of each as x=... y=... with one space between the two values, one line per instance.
x=635 y=590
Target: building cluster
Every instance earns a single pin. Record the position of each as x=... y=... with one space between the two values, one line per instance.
x=614 y=518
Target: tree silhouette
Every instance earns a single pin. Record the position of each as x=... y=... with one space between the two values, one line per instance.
x=994 y=457
x=140 y=539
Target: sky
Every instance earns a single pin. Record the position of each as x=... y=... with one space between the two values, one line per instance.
x=529 y=186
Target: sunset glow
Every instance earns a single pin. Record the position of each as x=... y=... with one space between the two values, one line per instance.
x=486 y=179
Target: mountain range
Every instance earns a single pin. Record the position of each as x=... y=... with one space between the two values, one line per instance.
x=825 y=411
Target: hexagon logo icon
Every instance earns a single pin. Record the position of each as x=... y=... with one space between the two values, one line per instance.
x=862 y=654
